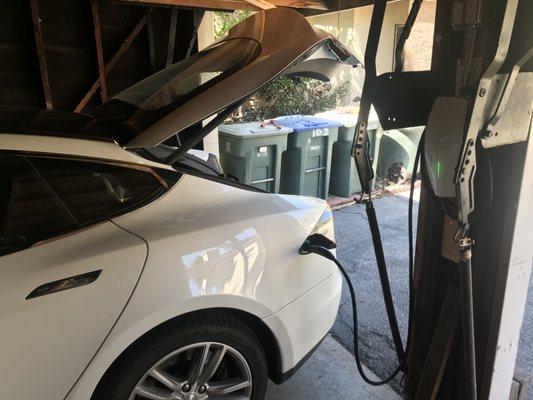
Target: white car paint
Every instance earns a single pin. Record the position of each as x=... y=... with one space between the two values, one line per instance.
x=72 y=147
x=46 y=342
x=208 y=245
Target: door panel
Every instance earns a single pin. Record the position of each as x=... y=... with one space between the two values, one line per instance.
x=47 y=341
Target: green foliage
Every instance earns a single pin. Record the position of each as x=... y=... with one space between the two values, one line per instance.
x=286 y=96
x=283 y=96
x=224 y=21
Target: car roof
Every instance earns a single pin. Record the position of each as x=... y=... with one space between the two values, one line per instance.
x=60 y=145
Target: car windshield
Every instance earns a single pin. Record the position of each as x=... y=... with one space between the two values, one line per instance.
x=187 y=78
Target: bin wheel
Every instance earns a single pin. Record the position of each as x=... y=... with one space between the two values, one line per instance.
x=397 y=173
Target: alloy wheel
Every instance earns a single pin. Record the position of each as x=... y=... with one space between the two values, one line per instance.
x=206 y=370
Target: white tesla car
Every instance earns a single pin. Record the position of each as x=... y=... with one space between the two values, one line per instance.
x=127 y=278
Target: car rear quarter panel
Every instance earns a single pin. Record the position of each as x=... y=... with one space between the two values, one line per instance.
x=208 y=240
x=212 y=246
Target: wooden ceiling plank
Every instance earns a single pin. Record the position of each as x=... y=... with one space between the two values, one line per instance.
x=39 y=44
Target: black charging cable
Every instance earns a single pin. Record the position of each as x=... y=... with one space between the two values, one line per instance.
x=324 y=252
x=320 y=245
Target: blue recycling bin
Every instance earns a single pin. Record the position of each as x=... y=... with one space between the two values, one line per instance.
x=306 y=163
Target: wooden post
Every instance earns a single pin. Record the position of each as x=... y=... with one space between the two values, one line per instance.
x=99 y=48
x=172 y=36
x=151 y=39
x=39 y=44
x=441 y=344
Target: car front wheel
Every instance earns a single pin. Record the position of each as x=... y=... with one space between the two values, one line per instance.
x=207 y=356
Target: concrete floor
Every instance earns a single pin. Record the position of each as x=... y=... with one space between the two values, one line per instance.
x=330 y=373
x=356 y=253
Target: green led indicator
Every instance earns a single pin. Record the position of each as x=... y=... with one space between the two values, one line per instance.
x=438 y=169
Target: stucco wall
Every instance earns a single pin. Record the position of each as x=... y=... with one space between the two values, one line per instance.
x=205 y=38
x=351 y=27
x=419 y=47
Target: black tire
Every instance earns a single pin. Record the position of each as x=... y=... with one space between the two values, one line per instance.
x=210 y=326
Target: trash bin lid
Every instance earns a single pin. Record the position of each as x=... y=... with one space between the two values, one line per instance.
x=250 y=130
x=348 y=119
x=300 y=123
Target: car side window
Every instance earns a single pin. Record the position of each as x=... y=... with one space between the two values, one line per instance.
x=94 y=191
x=29 y=210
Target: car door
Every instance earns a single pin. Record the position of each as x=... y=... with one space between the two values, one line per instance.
x=66 y=271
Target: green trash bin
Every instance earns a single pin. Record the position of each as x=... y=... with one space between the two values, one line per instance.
x=344 y=180
x=306 y=163
x=397 y=153
x=252 y=153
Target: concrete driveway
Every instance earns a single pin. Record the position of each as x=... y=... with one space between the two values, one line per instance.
x=329 y=374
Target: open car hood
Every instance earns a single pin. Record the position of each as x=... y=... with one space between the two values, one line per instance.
x=171 y=101
x=255 y=51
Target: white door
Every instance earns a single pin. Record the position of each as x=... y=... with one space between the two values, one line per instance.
x=63 y=280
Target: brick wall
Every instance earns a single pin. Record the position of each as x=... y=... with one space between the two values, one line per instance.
x=418 y=49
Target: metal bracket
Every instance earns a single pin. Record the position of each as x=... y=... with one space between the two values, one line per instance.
x=464 y=244
x=466 y=168
x=360 y=143
x=495 y=123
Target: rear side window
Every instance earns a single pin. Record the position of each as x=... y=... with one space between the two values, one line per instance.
x=95 y=191
x=29 y=210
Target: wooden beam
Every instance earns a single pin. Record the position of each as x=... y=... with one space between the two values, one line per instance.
x=335 y=6
x=262 y=4
x=172 y=36
x=125 y=45
x=39 y=44
x=230 y=5
x=151 y=40
x=198 y=16
x=99 y=48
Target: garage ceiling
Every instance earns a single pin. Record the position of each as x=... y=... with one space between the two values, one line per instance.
x=71 y=54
